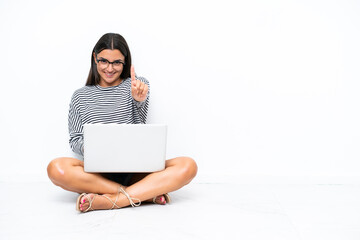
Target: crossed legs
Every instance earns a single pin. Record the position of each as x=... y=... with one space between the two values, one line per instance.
x=68 y=173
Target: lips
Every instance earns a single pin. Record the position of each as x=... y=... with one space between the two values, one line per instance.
x=109 y=75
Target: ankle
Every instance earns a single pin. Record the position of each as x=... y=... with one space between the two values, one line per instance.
x=134 y=202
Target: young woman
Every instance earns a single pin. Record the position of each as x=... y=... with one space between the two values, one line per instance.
x=113 y=94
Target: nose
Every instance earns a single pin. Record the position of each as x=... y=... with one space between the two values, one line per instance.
x=110 y=67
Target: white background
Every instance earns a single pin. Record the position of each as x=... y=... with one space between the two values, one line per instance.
x=248 y=88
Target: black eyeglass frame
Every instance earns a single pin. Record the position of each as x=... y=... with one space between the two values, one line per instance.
x=108 y=62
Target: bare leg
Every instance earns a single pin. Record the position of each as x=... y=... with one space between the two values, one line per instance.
x=139 y=176
x=69 y=174
x=178 y=172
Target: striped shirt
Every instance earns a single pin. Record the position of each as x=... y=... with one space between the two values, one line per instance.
x=96 y=104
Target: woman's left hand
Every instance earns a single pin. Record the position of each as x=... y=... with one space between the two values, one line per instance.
x=139 y=89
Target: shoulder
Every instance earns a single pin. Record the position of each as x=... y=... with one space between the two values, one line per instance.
x=81 y=92
x=84 y=90
x=141 y=78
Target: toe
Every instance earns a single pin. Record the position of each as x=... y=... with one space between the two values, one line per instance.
x=160 y=200
x=84 y=203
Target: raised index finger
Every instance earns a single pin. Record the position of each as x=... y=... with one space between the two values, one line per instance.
x=132 y=73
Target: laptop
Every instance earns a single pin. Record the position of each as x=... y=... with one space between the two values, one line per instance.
x=124 y=147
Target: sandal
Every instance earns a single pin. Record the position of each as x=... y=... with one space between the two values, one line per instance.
x=121 y=190
x=166 y=196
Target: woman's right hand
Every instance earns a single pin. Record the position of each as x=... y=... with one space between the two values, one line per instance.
x=139 y=89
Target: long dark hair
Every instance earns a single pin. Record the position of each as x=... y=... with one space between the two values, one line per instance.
x=109 y=41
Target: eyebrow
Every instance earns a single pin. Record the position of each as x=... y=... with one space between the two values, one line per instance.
x=120 y=60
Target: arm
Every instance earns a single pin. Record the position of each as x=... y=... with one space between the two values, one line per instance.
x=140 y=91
x=76 y=140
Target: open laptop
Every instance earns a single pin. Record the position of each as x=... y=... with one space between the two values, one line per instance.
x=124 y=147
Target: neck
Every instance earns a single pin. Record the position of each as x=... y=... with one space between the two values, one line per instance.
x=103 y=83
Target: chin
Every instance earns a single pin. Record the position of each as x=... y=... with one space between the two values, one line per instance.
x=111 y=81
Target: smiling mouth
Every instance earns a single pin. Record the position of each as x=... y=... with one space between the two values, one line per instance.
x=109 y=75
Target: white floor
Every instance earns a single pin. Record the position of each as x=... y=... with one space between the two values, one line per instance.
x=40 y=210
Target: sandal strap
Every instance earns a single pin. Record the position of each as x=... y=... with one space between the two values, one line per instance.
x=90 y=201
x=121 y=190
x=130 y=198
x=113 y=202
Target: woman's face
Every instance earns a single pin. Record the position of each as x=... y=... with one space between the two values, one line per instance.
x=109 y=66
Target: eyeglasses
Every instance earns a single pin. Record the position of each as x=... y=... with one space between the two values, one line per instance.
x=104 y=63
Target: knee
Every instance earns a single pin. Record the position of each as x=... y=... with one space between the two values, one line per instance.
x=188 y=169
x=55 y=171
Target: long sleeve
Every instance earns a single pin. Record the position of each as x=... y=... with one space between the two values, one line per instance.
x=75 y=125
